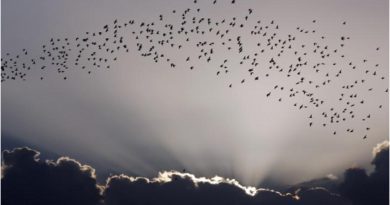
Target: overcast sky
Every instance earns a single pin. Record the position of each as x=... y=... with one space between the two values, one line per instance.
x=141 y=117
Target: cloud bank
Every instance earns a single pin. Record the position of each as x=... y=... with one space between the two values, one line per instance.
x=28 y=180
x=362 y=188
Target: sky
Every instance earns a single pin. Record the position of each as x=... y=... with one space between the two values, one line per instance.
x=141 y=117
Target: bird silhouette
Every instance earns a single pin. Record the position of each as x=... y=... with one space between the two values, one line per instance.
x=260 y=47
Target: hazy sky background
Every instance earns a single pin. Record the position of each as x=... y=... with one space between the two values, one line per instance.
x=141 y=117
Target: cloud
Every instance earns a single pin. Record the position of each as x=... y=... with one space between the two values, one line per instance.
x=364 y=189
x=319 y=195
x=329 y=182
x=28 y=180
x=183 y=188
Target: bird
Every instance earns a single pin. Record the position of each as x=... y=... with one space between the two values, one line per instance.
x=104 y=47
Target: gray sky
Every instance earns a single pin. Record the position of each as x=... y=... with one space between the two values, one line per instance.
x=141 y=117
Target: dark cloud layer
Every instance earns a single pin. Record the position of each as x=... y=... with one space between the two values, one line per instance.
x=182 y=188
x=330 y=182
x=364 y=189
x=28 y=180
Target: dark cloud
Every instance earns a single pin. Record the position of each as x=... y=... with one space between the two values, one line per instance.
x=9 y=141
x=364 y=189
x=357 y=185
x=182 y=188
x=28 y=180
x=330 y=182
x=320 y=196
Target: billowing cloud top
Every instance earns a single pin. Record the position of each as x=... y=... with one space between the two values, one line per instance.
x=28 y=180
x=184 y=188
x=362 y=188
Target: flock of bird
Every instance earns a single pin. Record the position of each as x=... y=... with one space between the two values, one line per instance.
x=301 y=61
